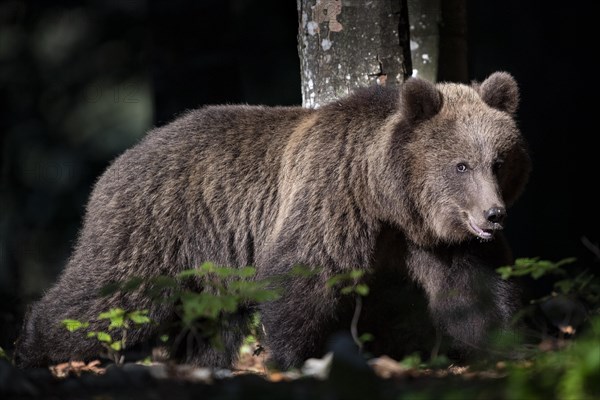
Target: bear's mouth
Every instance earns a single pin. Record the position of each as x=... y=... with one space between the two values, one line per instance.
x=483 y=233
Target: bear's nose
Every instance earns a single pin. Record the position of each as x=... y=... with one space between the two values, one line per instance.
x=495 y=215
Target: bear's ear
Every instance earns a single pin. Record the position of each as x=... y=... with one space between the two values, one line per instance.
x=419 y=99
x=500 y=91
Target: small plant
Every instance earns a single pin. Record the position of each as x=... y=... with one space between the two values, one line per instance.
x=413 y=361
x=224 y=289
x=205 y=314
x=581 y=287
x=251 y=344
x=570 y=373
x=118 y=319
x=584 y=285
x=569 y=370
x=348 y=283
x=203 y=299
x=534 y=267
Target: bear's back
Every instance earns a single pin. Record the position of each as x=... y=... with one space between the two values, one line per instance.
x=212 y=180
x=193 y=187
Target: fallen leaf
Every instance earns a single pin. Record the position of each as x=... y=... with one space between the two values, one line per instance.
x=63 y=370
x=386 y=367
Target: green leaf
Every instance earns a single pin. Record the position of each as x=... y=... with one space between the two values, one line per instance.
x=246 y=272
x=522 y=272
x=353 y=275
x=253 y=291
x=565 y=286
x=331 y=282
x=3 y=354
x=566 y=261
x=164 y=338
x=205 y=305
x=116 y=346
x=537 y=273
x=207 y=266
x=255 y=321
x=366 y=337
x=525 y=262
x=116 y=317
x=534 y=267
x=347 y=290
x=356 y=273
x=362 y=289
x=110 y=288
x=146 y=361
x=112 y=313
x=412 y=361
x=222 y=272
x=72 y=324
x=505 y=272
x=139 y=317
x=163 y=282
x=334 y=280
x=132 y=284
x=103 y=337
x=192 y=307
x=242 y=286
x=191 y=272
x=440 y=361
x=228 y=303
x=250 y=339
x=162 y=289
x=303 y=271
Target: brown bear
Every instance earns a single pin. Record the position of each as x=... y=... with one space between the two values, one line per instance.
x=409 y=184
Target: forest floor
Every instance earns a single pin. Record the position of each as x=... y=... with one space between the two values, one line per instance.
x=554 y=369
x=336 y=376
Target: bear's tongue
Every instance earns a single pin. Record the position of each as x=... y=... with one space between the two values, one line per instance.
x=484 y=234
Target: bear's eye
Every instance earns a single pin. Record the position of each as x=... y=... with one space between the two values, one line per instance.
x=497 y=165
x=462 y=167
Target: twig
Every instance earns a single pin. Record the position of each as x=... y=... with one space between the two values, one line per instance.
x=591 y=246
x=354 y=324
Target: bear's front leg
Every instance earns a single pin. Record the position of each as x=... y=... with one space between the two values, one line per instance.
x=298 y=324
x=467 y=298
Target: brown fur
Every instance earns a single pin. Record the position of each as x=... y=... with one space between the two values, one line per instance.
x=277 y=187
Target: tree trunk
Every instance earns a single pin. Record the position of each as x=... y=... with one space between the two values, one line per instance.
x=438 y=39
x=424 y=16
x=348 y=44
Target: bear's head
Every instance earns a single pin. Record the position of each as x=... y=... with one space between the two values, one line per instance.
x=457 y=157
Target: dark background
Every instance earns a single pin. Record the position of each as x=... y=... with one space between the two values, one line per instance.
x=80 y=81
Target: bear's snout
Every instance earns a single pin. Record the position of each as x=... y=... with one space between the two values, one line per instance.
x=495 y=215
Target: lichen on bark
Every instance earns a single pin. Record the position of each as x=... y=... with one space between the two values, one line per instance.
x=348 y=44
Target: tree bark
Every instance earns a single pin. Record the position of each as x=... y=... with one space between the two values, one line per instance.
x=438 y=39
x=348 y=44
x=424 y=16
